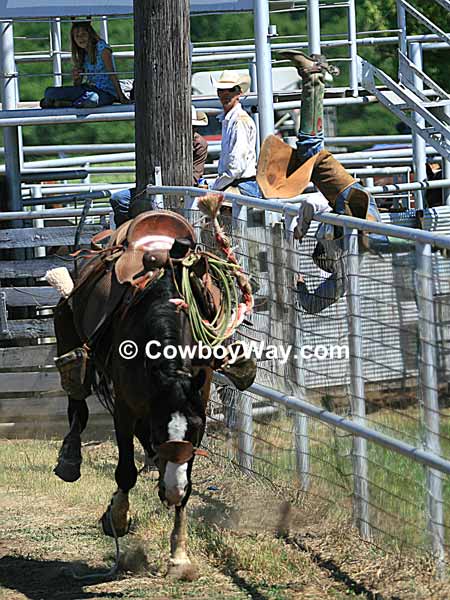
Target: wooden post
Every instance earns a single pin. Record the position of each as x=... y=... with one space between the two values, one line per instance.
x=163 y=95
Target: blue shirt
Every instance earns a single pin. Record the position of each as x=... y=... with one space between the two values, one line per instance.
x=97 y=73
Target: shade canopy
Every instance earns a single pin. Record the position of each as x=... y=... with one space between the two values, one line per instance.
x=30 y=9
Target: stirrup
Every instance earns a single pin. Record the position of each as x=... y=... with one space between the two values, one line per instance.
x=72 y=368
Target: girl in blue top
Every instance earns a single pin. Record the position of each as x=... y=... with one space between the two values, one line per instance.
x=93 y=60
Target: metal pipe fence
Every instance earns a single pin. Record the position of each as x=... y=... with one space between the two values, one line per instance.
x=363 y=422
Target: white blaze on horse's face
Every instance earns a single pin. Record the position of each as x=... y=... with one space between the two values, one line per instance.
x=175 y=475
x=175 y=482
x=177 y=427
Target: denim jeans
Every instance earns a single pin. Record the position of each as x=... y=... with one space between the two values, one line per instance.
x=309 y=145
x=81 y=96
x=120 y=202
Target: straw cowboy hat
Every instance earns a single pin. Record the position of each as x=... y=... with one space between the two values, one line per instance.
x=230 y=79
x=199 y=118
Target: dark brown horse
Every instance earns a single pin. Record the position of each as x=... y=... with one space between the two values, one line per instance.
x=161 y=400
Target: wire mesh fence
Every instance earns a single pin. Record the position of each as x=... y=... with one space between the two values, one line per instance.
x=404 y=393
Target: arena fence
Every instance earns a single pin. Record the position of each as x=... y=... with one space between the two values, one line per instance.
x=356 y=420
x=353 y=424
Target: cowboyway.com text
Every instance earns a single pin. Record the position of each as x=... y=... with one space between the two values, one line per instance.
x=154 y=350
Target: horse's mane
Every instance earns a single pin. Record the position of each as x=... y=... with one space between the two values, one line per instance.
x=163 y=323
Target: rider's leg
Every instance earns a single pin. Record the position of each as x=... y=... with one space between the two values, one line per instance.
x=328 y=175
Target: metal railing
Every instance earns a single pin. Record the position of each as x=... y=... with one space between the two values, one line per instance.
x=389 y=299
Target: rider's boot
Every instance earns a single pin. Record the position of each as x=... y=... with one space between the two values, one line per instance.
x=328 y=174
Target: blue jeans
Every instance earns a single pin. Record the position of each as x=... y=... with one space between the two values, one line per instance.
x=250 y=188
x=81 y=96
x=120 y=202
x=309 y=145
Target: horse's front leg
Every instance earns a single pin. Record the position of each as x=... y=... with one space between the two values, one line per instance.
x=126 y=476
x=180 y=564
x=69 y=457
x=77 y=387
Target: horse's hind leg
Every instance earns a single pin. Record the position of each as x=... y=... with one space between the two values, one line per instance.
x=126 y=476
x=69 y=458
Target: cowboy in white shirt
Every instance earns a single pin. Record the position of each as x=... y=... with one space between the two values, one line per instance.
x=237 y=163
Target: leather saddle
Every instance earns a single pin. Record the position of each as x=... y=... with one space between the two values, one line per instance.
x=148 y=239
x=111 y=276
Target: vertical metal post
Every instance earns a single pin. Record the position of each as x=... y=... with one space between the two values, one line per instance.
x=244 y=401
x=104 y=34
x=245 y=431
x=254 y=89
x=302 y=450
x=158 y=199
x=429 y=392
x=313 y=14
x=301 y=433
x=56 y=51
x=357 y=393
x=190 y=202
x=264 y=67
x=418 y=143
x=446 y=169
x=36 y=192
x=10 y=134
x=353 y=47
x=401 y=26
x=87 y=179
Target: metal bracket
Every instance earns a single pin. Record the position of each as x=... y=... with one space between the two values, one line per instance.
x=4 y=331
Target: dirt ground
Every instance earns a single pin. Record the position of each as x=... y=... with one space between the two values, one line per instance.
x=245 y=541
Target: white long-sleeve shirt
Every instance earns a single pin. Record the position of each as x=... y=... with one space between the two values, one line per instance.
x=238 y=154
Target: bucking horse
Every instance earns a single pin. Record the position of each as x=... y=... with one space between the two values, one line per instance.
x=148 y=289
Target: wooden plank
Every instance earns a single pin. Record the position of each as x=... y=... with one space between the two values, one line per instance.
x=25 y=409
x=40 y=381
x=30 y=328
x=31 y=296
x=100 y=427
x=33 y=237
x=12 y=269
x=27 y=356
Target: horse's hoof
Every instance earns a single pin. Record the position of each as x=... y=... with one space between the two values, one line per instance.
x=106 y=521
x=183 y=572
x=68 y=471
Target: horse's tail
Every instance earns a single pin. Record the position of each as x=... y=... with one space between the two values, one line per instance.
x=103 y=389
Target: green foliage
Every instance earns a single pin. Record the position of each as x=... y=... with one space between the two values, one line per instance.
x=372 y=16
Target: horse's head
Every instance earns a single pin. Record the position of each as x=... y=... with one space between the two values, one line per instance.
x=176 y=443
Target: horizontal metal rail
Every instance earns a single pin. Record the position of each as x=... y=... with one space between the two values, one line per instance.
x=115 y=148
x=417 y=454
x=52 y=212
x=200 y=55
x=282 y=207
